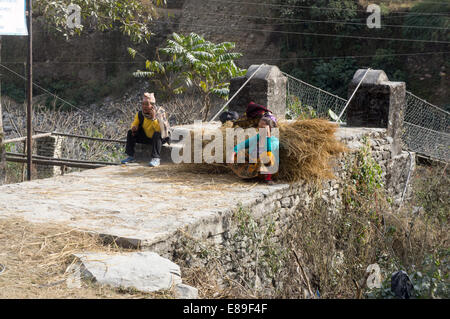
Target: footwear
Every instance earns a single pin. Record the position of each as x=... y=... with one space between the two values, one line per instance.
x=129 y=159
x=154 y=162
x=269 y=182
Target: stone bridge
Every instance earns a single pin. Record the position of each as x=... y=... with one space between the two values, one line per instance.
x=154 y=209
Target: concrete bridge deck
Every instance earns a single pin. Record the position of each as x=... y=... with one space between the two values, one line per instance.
x=144 y=207
x=137 y=204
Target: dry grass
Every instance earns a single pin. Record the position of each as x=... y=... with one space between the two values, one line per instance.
x=37 y=256
x=307 y=148
x=206 y=280
x=337 y=248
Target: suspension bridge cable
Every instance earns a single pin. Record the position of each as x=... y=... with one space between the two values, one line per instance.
x=352 y=56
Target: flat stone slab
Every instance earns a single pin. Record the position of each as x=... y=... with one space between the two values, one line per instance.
x=144 y=271
x=137 y=203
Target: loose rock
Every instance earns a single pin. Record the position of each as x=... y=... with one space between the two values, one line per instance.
x=144 y=271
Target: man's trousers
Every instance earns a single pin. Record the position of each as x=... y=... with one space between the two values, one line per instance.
x=140 y=137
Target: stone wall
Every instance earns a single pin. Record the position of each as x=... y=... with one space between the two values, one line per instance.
x=378 y=102
x=50 y=146
x=224 y=237
x=221 y=21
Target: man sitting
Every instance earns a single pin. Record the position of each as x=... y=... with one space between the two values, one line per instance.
x=150 y=126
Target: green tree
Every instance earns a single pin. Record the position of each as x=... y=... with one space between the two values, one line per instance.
x=191 y=62
x=335 y=75
x=424 y=14
x=386 y=60
x=130 y=16
x=323 y=9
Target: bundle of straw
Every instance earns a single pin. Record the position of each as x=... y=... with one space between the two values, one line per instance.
x=306 y=150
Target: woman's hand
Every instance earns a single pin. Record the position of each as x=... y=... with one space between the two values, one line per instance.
x=231 y=158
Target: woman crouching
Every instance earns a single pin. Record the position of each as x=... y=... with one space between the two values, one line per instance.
x=261 y=154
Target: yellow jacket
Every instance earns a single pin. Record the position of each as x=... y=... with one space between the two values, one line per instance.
x=149 y=126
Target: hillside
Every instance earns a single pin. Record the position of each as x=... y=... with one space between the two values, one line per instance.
x=86 y=69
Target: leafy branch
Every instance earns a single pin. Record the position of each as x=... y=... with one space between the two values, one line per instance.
x=192 y=63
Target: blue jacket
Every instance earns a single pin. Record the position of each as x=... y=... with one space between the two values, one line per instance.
x=272 y=143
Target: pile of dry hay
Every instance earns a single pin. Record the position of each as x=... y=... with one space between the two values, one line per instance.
x=307 y=148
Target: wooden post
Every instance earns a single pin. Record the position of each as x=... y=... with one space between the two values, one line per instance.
x=2 y=147
x=24 y=171
x=30 y=88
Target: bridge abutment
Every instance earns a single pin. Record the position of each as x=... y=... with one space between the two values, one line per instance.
x=378 y=102
x=233 y=236
x=267 y=87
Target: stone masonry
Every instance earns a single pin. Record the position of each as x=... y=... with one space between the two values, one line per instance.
x=280 y=208
x=171 y=205
x=267 y=87
x=378 y=103
x=50 y=146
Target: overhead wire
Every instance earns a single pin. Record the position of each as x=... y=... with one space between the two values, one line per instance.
x=309 y=33
x=303 y=21
x=45 y=90
x=268 y=59
x=289 y=6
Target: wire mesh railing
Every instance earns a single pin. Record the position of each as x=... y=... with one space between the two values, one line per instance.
x=426 y=126
x=306 y=99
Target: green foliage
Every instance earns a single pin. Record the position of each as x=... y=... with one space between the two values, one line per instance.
x=366 y=174
x=10 y=89
x=191 y=62
x=432 y=281
x=107 y=152
x=417 y=17
x=297 y=110
x=319 y=9
x=338 y=247
x=129 y=16
x=335 y=75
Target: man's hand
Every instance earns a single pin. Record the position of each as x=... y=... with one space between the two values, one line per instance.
x=153 y=112
x=134 y=129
